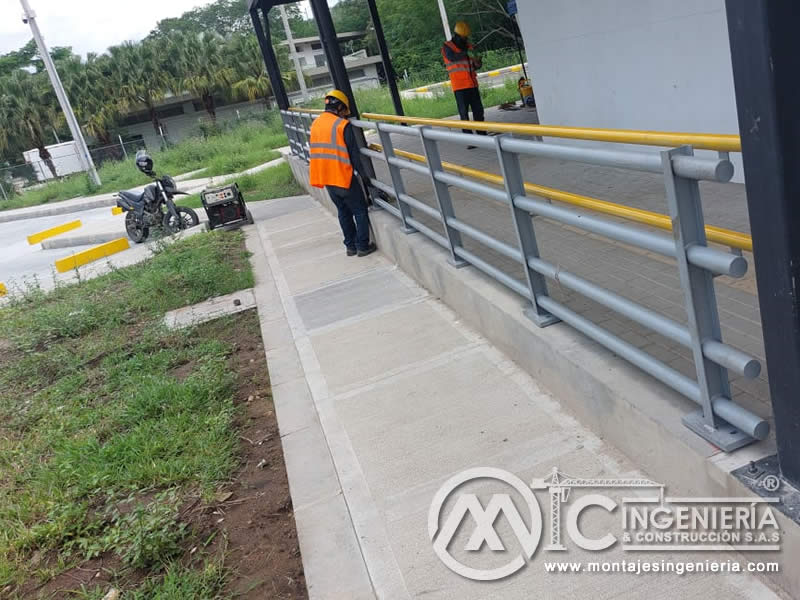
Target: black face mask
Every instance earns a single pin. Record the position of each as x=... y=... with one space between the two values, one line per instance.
x=459 y=41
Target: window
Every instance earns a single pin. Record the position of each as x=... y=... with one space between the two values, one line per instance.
x=319 y=59
x=316 y=46
x=356 y=73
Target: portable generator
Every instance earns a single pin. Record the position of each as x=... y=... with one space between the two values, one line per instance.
x=225 y=207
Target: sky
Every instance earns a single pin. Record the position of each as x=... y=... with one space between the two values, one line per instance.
x=88 y=25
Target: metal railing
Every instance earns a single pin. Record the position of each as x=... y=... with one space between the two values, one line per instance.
x=719 y=420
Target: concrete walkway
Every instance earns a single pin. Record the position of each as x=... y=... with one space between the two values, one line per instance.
x=381 y=395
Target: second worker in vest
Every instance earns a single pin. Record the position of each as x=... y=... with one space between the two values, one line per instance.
x=463 y=70
x=336 y=166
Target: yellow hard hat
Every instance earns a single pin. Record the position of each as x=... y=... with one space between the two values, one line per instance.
x=462 y=29
x=340 y=96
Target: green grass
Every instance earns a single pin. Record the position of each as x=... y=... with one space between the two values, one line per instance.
x=231 y=151
x=275 y=182
x=100 y=442
x=378 y=100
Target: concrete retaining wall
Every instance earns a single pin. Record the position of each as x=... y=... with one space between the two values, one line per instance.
x=623 y=405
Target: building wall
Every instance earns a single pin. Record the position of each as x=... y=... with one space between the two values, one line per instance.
x=631 y=64
x=182 y=126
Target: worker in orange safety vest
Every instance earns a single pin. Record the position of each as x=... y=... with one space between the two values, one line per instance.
x=336 y=166
x=463 y=70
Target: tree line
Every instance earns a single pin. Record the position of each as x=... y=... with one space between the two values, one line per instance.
x=210 y=52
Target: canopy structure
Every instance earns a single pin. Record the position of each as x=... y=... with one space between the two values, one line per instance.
x=259 y=12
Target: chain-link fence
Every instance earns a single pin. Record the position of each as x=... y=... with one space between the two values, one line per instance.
x=64 y=160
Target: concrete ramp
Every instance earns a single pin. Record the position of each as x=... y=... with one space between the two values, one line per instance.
x=382 y=395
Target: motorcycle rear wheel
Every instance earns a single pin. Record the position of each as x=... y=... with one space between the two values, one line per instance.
x=136 y=231
x=186 y=218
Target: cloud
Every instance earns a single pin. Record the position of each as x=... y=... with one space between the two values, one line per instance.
x=88 y=25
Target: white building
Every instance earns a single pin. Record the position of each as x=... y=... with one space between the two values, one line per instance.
x=361 y=69
x=631 y=64
x=66 y=160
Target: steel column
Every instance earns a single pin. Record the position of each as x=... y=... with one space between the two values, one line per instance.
x=765 y=50
x=688 y=229
x=397 y=180
x=442 y=193
x=268 y=53
x=523 y=225
x=388 y=67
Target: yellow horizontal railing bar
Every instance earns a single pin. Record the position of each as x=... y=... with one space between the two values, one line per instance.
x=37 y=237
x=313 y=111
x=726 y=237
x=706 y=141
x=91 y=254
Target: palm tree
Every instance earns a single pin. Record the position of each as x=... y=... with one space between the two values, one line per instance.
x=139 y=75
x=28 y=108
x=92 y=95
x=250 y=76
x=199 y=66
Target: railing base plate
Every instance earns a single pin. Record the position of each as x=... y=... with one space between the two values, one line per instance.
x=408 y=230
x=764 y=478
x=457 y=263
x=540 y=320
x=726 y=437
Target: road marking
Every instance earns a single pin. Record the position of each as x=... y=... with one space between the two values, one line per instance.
x=52 y=232
x=92 y=254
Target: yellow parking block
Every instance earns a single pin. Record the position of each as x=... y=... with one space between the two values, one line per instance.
x=92 y=254
x=494 y=73
x=421 y=89
x=53 y=231
x=116 y=210
x=516 y=68
x=3 y=289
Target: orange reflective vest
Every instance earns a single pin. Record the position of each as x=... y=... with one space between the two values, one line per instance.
x=330 y=162
x=460 y=66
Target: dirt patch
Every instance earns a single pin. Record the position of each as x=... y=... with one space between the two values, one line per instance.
x=257 y=518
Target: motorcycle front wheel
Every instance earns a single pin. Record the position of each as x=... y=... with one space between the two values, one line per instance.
x=186 y=218
x=136 y=231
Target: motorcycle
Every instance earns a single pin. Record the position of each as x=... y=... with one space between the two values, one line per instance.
x=154 y=206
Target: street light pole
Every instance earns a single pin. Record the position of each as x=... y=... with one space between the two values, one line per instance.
x=445 y=22
x=86 y=158
x=293 y=53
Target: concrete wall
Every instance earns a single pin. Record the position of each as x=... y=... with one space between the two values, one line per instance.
x=631 y=64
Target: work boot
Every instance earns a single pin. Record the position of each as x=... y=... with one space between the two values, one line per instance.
x=370 y=249
x=351 y=252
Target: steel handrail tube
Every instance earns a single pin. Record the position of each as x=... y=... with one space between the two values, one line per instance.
x=479 y=236
x=414 y=203
x=720 y=263
x=425 y=230
x=734 y=414
x=399 y=129
x=668 y=139
x=720 y=353
x=719 y=235
x=720 y=170
x=467 y=139
x=407 y=164
x=373 y=154
x=494 y=272
x=471 y=186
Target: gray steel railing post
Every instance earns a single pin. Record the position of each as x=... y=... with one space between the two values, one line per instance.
x=289 y=133
x=688 y=229
x=526 y=236
x=397 y=179
x=443 y=198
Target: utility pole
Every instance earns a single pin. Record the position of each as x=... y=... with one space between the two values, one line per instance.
x=29 y=17
x=445 y=22
x=293 y=53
